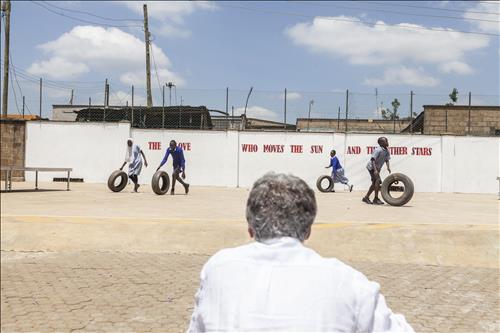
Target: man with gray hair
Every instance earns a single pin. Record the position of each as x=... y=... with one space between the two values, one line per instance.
x=278 y=284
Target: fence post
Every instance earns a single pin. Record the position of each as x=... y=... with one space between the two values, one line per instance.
x=163 y=107
x=394 y=122
x=470 y=98
x=24 y=102
x=132 y=110
x=40 y=99
x=105 y=100
x=346 y=108
x=227 y=107
x=446 y=121
x=284 y=117
x=411 y=111
x=232 y=117
x=338 y=121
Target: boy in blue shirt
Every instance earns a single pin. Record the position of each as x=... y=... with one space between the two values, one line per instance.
x=179 y=164
x=338 y=171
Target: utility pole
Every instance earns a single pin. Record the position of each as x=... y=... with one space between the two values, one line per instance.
x=6 y=54
x=148 y=65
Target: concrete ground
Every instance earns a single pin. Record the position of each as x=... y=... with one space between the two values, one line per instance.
x=92 y=260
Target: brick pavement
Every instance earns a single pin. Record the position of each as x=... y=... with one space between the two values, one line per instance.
x=153 y=292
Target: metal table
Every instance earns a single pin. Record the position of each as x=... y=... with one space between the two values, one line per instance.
x=8 y=173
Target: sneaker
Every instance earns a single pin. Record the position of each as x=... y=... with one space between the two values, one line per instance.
x=366 y=200
x=186 y=188
x=136 y=187
x=377 y=201
x=350 y=188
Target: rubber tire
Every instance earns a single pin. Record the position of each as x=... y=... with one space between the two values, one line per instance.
x=155 y=182
x=407 y=194
x=320 y=180
x=112 y=178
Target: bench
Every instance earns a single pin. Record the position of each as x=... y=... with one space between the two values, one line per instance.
x=8 y=173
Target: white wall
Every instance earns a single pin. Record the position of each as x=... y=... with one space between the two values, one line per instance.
x=216 y=158
x=210 y=157
x=93 y=150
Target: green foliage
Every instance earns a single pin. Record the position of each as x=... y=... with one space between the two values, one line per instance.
x=391 y=114
x=453 y=96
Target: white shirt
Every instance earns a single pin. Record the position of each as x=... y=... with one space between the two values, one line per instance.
x=281 y=285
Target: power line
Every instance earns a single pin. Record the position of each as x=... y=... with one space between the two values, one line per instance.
x=362 y=22
x=154 y=63
x=426 y=7
x=82 y=20
x=405 y=14
x=15 y=77
x=90 y=14
x=14 y=91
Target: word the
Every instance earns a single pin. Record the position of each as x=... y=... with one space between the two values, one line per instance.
x=156 y=145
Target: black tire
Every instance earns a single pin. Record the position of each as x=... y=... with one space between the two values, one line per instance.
x=407 y=193
x=112 y=179
x=155 y=182
x=320 y=181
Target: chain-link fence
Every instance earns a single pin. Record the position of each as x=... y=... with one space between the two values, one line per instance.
x=255 y=109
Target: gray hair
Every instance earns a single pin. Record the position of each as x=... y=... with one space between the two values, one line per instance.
x=280 y=205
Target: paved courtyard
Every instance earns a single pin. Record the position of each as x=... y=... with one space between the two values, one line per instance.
x=91 y=260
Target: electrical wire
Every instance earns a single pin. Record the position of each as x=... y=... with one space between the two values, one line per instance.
x=90 y=14
x=154 y=63
x=362 y=22
x=15 y=77
x=392 y=3
x=82 y=20
x=14 y=91
x=401 y=13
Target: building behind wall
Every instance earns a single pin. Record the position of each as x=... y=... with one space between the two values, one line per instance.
x=353 y=125
x=461 y=120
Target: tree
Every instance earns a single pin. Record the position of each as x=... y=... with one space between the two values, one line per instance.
x=453 y=96
x=387 y=114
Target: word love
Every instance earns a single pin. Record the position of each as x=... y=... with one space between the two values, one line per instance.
x=279 y=149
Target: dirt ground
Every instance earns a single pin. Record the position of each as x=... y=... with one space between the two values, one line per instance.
x=92 y=260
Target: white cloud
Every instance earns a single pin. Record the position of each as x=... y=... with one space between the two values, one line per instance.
x=102 y=50
x=169 y=30
x=171 y=14
x=456 y=67
x=59 y=68
x=384 y=44
x=402 y=75
x=486 y=25
x=293 y=95
x=121 y=98
x=257 y=112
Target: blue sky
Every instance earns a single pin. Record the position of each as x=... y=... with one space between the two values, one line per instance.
x=316 y=50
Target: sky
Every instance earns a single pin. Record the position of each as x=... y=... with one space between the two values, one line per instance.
x=316 y=50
